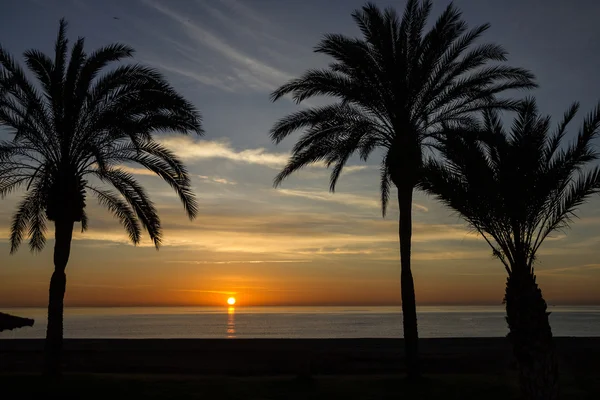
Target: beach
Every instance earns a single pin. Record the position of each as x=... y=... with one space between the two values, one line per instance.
x=285 y=356
x=457 y=368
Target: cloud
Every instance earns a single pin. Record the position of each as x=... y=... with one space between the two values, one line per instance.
x=190 y=149
x=222 y=181
x=453 y=255
x=202 y=291
x=276 y=236
x=254 y=73
x=262 y=30
x=588 y=221
x=136 y=171
x=342 y=198
x=561 y=271
x=563 y=247
x=223 y=84
x=246 y=11
x=194 y=262
x=95 y=286
x=420 y=207
x=337 y=251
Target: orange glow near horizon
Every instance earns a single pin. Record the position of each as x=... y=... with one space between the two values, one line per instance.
x=127 y=276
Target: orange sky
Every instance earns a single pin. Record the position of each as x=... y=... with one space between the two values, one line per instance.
x=284 y=259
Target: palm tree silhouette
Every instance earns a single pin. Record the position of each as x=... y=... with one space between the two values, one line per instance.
x=515 y=189
x=73 y=135
x=396 y=86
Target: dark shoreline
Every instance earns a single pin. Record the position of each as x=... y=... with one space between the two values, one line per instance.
x=285 y=356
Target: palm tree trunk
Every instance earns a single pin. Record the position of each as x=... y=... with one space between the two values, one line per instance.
x=531 y=336
x=58 y=282
x=407 y=285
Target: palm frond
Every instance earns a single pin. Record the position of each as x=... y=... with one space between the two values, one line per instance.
x=37 y=226
x=95 y=62
x=58 y=77
x=561 y=216
x=384 y=187
x=42 y=66
x=557 y=137
x=73 y=72
x=29 y=220
x=177 y=179
x=137 y=198
x=336 y=132
x=22 y=107
x=120 y=210
x=315 y=153
x=84 y=221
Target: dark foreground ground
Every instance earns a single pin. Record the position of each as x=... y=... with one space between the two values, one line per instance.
x=286 y=369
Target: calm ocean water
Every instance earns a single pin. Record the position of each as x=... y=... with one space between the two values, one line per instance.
x=293 y=322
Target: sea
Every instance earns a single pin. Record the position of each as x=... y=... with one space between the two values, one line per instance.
x=293 y=322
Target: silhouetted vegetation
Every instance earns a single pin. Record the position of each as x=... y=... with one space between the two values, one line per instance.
x=516 y=188
x=9 y=322
x=77 y=132
x=396 y=87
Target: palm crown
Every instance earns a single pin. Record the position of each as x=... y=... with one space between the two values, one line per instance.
x=394 y=89
x=396 y=86
x=78 y=129
x=517 y=187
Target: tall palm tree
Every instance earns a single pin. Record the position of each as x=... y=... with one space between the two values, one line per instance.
x=396 y=85
x=516 y=188
x=72 y=132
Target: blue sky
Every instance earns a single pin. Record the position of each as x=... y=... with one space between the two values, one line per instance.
x=298 y=242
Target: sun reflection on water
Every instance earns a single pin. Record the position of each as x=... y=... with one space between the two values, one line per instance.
x=231 y=322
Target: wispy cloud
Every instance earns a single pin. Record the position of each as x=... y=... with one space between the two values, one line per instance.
x=247 y=22
x=420 y=207
x=202 y=78
x=337 y=251
x=213 y=179
x=96 y=286
x=342 y=198
x=256 y=74
x=202 y=291
x=453 y=255
x=136 y=171
x=240 y=25
x=190 y=149
x=290 y=242
x=194 y=262
x=567 y=270
x=245 y=11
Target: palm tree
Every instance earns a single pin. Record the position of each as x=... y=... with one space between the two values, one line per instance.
x=74 y=132
x=396 y=86
x=515 y=189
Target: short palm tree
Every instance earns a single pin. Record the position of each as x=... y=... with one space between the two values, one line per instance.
x=71 y=133
x=396 y=86
x=516 y=188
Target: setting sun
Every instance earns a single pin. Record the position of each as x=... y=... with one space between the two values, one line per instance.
x=231 y=301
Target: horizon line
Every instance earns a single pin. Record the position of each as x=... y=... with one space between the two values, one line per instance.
x=293 y=305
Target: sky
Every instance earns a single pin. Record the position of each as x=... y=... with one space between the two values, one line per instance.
x=298 y=244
